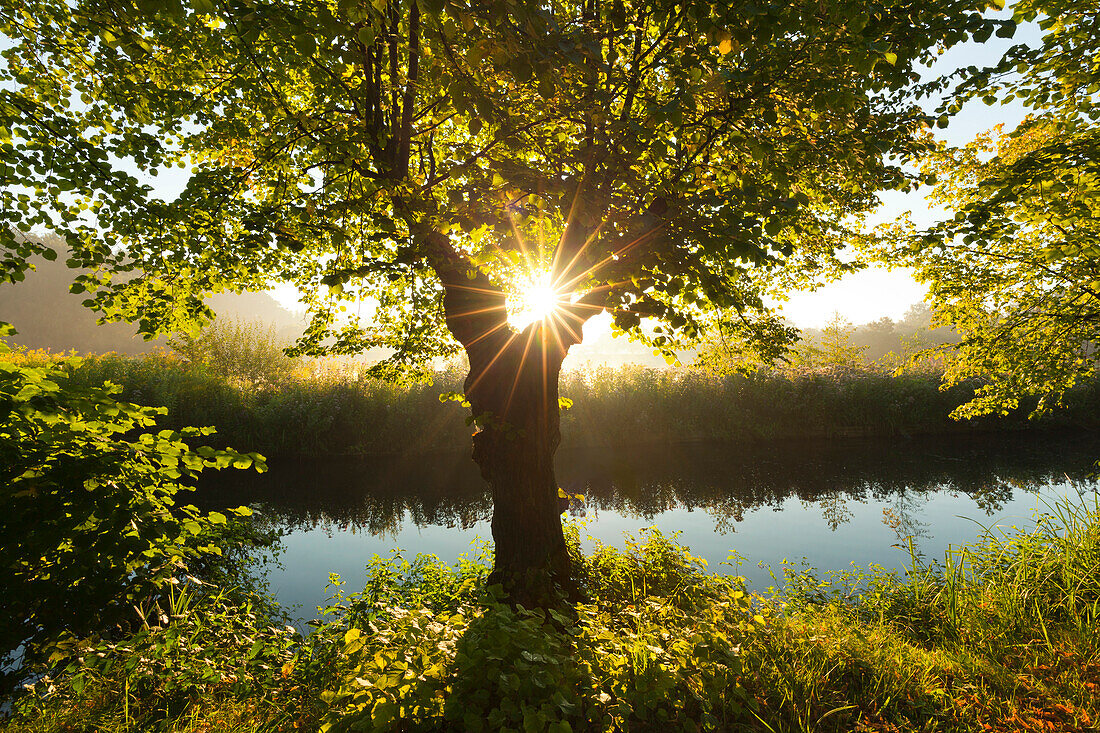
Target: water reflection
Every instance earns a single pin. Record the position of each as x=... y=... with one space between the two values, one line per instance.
x=381 y=496
x=835 y=503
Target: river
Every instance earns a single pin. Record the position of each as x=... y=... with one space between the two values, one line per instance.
x=829 y=504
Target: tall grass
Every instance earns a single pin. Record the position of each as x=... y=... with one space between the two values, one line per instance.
x=316 y=408
x=333 y=407
x=615 y=406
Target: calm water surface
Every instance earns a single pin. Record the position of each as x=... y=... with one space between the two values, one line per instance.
x=835 y=503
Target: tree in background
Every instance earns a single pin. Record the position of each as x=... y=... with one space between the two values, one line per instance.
x=832 y=348
x=248 y=353
x=882 y=344
x=912 y=342
x=881 y=337
x=1017 y=268
x=730 y=347
x=647 y=158
x=837 y=349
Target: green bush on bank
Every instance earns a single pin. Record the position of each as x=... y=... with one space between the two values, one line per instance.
x=464 y=660
x=106 y=577
x=91 y=535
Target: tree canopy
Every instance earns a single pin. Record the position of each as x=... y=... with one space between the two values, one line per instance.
x=648 y=158
x=661 y=154
x=1016 y=268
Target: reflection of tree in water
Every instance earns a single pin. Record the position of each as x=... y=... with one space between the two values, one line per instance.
x=992 y=496
x=726 y=481
x=834 y=508
x=380 y=495
x=350 y=494
x=901 y=515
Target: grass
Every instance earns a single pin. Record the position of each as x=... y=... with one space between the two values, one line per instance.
x=1001 y=635
x=333 y=408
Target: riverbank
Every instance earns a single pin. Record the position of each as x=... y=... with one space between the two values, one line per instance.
x=337 y=411
x=1000 y=635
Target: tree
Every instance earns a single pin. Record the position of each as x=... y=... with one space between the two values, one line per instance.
x=1016 y=269
x=837 y=349
x=648 y=158
x=735 y=345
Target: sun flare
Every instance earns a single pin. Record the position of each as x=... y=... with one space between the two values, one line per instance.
x=535 y=300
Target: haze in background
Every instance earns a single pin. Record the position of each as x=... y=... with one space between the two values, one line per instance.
x=48 y=316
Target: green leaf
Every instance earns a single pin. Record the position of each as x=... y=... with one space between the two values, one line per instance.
x=306 y=44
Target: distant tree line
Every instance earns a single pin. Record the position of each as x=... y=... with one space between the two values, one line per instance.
x=838 y=344
x=882 y=341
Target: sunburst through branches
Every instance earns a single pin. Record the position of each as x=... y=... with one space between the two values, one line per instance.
x=534 y=299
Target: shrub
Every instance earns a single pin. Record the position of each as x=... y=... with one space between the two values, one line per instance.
x=430 y=647
x=240 y=351
x=90 y=532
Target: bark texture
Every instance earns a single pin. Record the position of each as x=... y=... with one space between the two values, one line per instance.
x=513 y=391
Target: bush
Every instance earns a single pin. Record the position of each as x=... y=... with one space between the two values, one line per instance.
x=431 y=647
x=90 y=533
x=239 y=351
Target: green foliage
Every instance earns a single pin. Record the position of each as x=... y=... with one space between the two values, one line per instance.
x=237 y=351
x=733 y=345
x=220 y=648
x=1002 y=635
x=1015 y=268
x=652 y=565
x=998 y=634
x=664 y=156
x=833 y=350
x=623 y=406
x=1026 y=310
x=212 y=643
x=319 y=409
x=671 y=656
x=92 y=534
x=1017 y=581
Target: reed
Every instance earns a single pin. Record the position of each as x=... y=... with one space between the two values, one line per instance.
x=334 y=407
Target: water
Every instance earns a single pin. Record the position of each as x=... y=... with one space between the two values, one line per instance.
x=836 y=503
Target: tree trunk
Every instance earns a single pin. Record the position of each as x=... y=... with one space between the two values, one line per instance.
x=513 y=393
x=512 y=389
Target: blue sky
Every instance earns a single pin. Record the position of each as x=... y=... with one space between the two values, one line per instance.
x=877 y=292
